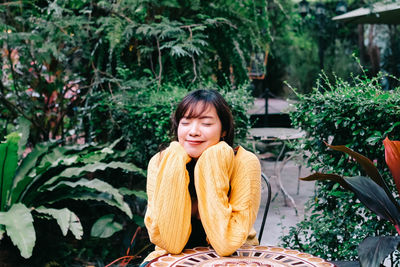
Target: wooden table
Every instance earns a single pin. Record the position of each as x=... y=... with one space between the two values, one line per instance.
x=278 y=136
x=267 y=256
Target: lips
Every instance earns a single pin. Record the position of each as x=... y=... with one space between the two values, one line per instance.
x=194 y=142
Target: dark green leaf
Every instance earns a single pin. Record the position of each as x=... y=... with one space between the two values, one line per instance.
x=8 y=165
x=373 y=250
x=139 y=220
x=374 y=197
x=79 y=171
x=137 y=193
x=21 y=177
x=107 y=193
x=369 y=168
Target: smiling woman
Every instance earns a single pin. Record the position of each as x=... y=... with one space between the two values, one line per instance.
x=196 y=134
x=197 y=124
x=201 y=190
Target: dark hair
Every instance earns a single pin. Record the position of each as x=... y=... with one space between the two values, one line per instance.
x=206 y=98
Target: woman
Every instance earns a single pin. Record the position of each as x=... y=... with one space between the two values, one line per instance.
x=200 y=190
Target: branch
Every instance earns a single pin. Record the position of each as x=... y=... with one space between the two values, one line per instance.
x=113 y=12
x=194 y=69
x=159 y=63
x=18 y=111
x=11 y=3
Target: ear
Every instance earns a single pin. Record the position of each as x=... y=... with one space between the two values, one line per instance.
x=223 y=134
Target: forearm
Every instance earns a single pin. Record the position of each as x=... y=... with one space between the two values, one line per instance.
x=169 y=210
x=227 y=221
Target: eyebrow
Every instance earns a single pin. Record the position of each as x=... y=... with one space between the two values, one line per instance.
x=199 y=117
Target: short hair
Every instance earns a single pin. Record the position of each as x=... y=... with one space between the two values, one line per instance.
x=206 y=98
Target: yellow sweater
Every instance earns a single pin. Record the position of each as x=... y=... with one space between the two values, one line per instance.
x=227 y=219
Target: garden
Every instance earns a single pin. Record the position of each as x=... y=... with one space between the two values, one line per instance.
x=86 y=92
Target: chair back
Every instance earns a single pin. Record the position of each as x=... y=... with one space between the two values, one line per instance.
x=264 y=179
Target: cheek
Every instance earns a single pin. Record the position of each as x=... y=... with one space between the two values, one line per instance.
x=215 y=135
x=180 y=133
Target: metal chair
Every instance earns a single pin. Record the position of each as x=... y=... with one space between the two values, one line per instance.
x=266 y=180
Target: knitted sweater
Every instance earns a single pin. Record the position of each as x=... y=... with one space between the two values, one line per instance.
x=228 y=192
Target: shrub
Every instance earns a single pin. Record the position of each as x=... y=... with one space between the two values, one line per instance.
x=358 y=115
x=142 y=116
x=50 y=181
x=374 y=193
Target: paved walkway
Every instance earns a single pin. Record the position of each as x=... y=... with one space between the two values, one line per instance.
x=275 y=105
x=280 y=216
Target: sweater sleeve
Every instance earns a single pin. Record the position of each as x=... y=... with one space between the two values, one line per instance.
x=168 y=212
x=227 y=220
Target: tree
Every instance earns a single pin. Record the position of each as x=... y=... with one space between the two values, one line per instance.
x=58 y=53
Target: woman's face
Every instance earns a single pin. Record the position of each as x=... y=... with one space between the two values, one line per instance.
x=197 y=134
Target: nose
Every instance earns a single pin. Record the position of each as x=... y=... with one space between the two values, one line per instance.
x=194 y=129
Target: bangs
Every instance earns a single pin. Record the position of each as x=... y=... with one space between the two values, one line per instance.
x=194 y=110
x=196 y=104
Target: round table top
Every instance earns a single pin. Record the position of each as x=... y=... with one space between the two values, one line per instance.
x=273 y=133
x=267 y=256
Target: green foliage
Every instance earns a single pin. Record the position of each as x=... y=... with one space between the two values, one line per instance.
x=373 y=192
x=18 y=224
x=143 y=118
x=105 y=227
x=66 y=219
x=359 y=115
x=46 y=178
x=8 y=165
x=301 y=47
x=98 y=70
x=58 y=54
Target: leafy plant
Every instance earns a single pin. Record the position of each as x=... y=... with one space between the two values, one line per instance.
x=142 y=117
x=57 y=54
x=374 y=193
x=39 y=184
x=357 y=114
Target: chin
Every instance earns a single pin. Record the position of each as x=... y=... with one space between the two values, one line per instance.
x=194 y=155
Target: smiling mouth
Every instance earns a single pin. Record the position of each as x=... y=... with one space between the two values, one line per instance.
x=191 y=142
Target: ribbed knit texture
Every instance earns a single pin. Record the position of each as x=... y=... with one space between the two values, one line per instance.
x=227 y=219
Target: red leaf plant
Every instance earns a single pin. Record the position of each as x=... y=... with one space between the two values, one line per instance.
x=374 y=193
x=392 y=157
